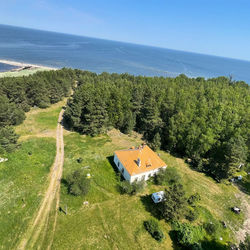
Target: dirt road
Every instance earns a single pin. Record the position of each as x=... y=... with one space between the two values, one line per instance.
x=50 y=203
x=245 y=229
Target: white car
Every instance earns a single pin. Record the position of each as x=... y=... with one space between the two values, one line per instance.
x=158 y=196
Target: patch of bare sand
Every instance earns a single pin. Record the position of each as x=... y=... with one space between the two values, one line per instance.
x=245 y=206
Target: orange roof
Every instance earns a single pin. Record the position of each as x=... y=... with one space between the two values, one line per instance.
x=149 y=159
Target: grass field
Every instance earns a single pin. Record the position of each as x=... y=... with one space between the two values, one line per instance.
x=40 y=122
x=22 y=182
x=23 y=178
x=111 y=220
x=114 y=221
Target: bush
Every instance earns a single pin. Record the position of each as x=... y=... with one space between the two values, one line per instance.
x=187 y=235
x=210 y=227
x=133 y=188
x=168 y=176
x=192 y=215
x=126 y=187
x=152 y=226
x=8 y=139
x=193 y=199
x=78 y=184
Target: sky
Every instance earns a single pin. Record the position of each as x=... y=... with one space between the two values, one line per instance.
x=215 y=27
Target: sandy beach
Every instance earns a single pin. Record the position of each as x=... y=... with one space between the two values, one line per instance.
x=23 y=64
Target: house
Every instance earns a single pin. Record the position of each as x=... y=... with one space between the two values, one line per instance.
x=158 y=196
x=139 y=163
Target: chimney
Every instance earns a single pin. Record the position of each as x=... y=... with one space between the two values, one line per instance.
x=138 y=162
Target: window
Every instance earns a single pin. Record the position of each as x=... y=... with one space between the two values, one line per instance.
x=136 y=179
x=118 y=164
x=143 y=178
x=122 y=170
x=149 y=175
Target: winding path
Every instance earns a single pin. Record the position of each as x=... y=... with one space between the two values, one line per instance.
x=50 y=203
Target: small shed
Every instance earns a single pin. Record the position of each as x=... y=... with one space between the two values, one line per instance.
x=158 y=197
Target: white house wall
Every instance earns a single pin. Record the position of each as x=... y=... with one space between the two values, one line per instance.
x=125 y=174
x=147 y=175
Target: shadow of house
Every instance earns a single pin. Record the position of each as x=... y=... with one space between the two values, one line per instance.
x=117 y=172
x=119 y=176
x=151 y=207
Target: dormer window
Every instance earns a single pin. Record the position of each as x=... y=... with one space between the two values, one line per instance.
x=139 y=162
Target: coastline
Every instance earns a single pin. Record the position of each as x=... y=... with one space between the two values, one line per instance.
x=23 y=69
x=23 y=65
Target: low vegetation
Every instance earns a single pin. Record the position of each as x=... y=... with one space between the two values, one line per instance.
x=152 y=226
x=117 y=220
x=23 y=181
x=77 y=182
x=24 y=176
x=131 y=188
x=167 y=177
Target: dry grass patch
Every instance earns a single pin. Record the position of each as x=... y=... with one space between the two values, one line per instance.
x=40 y=122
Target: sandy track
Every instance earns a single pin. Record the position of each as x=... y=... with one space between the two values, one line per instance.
x=245 y=229
x=50 y=202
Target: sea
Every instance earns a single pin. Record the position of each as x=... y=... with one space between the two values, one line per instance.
x=62 y=50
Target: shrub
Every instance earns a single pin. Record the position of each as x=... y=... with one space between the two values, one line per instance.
x=210 y=227
x=8 y=139
x=78 y=184
x=152 y=226
x=138 y=186
x=133 y=188
x=192 y=214
x=174 y=204
x=193 y=199
x=168 y=176
x=126 y=187
x=187 y=235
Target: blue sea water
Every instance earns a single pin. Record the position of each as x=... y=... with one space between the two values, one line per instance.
x=6 y=67
x=62 y=50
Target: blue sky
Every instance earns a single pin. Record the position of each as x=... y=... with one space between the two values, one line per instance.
x=217 y=27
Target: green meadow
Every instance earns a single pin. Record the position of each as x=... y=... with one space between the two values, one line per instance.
x=24 y=177
x=109 y=220
x=23 y=181
x=115 y=221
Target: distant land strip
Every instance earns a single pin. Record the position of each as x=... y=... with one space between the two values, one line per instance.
x=24 y=65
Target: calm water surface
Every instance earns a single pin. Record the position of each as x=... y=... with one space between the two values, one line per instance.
x=62 y=50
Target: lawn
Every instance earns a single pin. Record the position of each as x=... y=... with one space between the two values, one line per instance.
x=40 y=122
x=114 y=221
x=23 y=180
x=24 y=176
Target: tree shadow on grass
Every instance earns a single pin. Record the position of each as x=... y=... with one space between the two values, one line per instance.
x=119 y=176
x=150 y=206
x=203 y=244
x=243 y=186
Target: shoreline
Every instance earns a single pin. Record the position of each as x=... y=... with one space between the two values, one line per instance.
x=23 y=65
